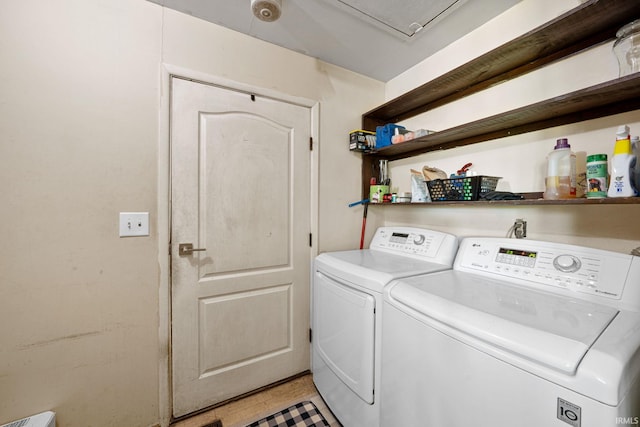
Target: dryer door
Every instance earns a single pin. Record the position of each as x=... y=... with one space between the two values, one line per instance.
x=343 y=332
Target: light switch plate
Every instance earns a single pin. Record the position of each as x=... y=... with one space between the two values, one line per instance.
x=134 y=224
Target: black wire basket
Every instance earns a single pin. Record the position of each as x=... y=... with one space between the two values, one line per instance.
x=461 y=189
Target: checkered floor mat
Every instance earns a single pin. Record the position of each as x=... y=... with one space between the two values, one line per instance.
x=303 y=414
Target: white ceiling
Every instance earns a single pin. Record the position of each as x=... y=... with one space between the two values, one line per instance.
x=371 y=37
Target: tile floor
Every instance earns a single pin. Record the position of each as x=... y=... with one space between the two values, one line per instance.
x=241 y=412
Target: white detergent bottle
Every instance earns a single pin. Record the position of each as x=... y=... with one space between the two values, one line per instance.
x=622 y=166
x=560 y=182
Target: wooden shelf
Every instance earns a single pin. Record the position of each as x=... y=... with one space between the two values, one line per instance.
x=527 y=201
x=587 y=25
x=605 y=99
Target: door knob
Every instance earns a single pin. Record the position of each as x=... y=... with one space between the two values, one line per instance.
x=185 y=249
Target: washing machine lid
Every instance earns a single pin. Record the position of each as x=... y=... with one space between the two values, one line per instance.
x=552 y=330
x=371 y=268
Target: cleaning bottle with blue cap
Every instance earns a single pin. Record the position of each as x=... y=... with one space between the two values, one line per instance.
x=622 y=165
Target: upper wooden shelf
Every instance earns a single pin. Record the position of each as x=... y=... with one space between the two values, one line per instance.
x=589 y=24
x=616 y=96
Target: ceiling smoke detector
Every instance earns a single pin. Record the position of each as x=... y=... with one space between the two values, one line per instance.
x=266 y=10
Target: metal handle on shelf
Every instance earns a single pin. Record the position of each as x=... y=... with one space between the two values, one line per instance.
x=185 y=249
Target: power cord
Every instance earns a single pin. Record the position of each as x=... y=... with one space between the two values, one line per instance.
x=518 y=229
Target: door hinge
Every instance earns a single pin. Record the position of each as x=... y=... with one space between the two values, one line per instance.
x=310 y=143
x=310 y=335
x=310 y=240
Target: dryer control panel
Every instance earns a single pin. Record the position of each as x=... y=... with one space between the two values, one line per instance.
x=417 y=242
x=587 y=270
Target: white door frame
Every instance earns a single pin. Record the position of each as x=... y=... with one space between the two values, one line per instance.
x=164 y=208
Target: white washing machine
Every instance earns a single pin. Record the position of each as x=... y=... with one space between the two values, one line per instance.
x=519 y=333
x=347 y=311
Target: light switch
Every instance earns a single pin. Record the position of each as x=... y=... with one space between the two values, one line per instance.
x=134 y=224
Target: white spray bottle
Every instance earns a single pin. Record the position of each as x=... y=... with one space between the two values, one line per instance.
x=622 y=165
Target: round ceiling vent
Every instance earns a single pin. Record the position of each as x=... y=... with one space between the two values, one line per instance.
x=266 y=10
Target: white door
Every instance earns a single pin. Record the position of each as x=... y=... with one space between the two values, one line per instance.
x=240 y=182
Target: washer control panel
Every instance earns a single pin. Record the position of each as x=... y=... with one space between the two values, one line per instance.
x=592 y=271
x=417 y=242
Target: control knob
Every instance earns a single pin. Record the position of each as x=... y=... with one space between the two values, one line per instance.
x=567 y=263
x=419 y=239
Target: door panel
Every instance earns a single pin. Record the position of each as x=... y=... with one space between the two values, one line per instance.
x=240 y=180
x=251 y=186
x=250 y=338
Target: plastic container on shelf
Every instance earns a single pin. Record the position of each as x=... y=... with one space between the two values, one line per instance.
x=468 y=188
x=384 y=134
x=622 y=165
x=597 y=176
x=560 y=182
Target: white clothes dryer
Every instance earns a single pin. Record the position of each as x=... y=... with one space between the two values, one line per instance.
x=347 y=314
x=518 y=333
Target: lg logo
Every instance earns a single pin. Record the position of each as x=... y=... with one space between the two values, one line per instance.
x=569 y=413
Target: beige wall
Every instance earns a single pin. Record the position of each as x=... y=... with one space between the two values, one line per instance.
x=81 y=140
x=520 y=160
x=78 y=120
